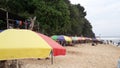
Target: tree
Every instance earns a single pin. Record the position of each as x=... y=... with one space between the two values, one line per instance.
x=53 y=16
x=87 y=29
x=2 y=25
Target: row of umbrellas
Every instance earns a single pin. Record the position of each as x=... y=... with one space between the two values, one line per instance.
x=61 y=38
x=21 y=43
x=70 y=39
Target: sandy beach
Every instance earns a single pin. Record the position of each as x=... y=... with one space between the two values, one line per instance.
x=80 y=56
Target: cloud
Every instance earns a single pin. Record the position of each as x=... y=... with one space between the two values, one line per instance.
x=105 y=27
x=103 y=14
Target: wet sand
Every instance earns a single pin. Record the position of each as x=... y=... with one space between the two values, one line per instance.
x=80 y=56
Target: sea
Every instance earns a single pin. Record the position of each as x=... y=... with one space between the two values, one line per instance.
x=114 y=39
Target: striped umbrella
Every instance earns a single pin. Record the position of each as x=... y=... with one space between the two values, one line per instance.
x=17 y=44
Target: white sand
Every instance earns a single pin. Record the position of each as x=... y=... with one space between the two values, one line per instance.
x=80 y=56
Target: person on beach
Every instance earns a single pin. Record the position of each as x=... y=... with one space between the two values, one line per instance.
x=118 y=44
x=93 y=43
x=107 y=41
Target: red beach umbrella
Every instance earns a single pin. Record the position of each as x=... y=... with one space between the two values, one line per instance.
x=57 y=48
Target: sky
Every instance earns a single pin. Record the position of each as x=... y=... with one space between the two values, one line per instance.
x=104 y=16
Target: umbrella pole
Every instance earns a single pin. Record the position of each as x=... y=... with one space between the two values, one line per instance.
x=52 y=57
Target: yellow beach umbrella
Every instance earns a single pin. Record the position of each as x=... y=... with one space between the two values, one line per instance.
x=83 y=38
x=68 y=38
x=15 y=44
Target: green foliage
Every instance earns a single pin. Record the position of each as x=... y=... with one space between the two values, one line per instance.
x=87 y=29
x=2 y=25
x=53 y=16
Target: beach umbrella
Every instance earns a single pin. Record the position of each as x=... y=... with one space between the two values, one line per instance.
x=89 y=38
x=20 y=43
x=74 y=38
x=1 y=30
x=95 y=39
x=61 y=38
x=54 y=37
x=81 y=38
x=57 y=48
x=64 y=38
